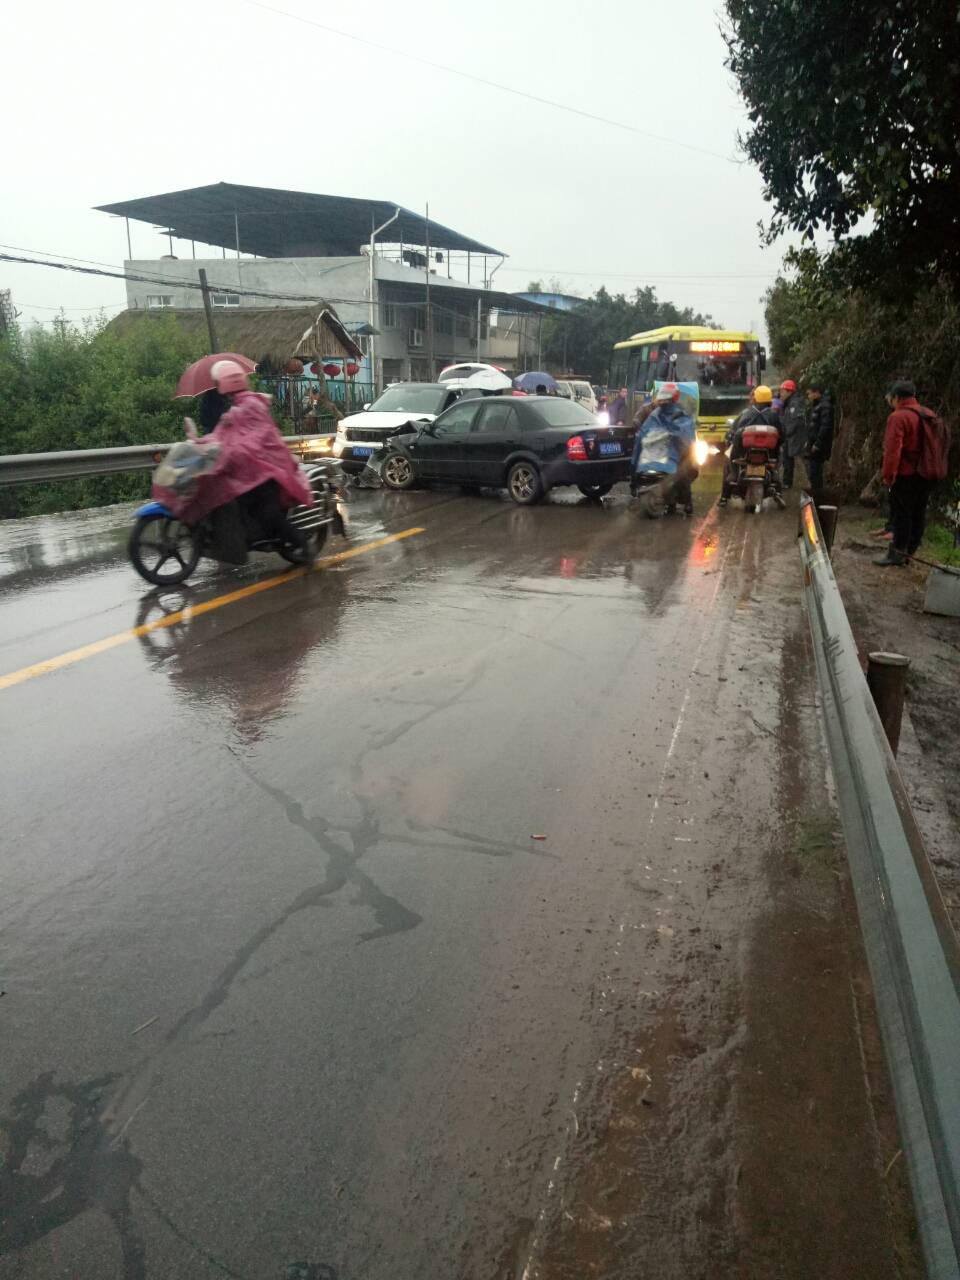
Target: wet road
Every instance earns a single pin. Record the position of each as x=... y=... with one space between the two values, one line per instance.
x=291 y=989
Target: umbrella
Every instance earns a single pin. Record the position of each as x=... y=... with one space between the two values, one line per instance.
x=482 y=380
x=530 y=381
x=198 y=377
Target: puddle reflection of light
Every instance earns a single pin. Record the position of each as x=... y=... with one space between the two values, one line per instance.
x=703 y=549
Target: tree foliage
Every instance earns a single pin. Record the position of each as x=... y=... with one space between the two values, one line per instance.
x=854 y=113
x=86 y=387
x=582 y=340
x=857 y=343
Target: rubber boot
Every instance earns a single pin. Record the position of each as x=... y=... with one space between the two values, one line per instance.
x=890 y=559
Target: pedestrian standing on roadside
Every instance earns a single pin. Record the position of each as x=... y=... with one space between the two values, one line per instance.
x=618 y=408
x=915 y=448
x=819 y=443
x=793 y=421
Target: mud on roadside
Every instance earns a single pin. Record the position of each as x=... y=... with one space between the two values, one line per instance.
x=885 y=608
x=746 y=1127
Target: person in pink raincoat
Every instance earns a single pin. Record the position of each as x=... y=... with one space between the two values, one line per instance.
x=253 y=465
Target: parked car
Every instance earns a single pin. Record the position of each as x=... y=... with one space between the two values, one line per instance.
x=527 y=445
x=582 y=392
x=361 y=435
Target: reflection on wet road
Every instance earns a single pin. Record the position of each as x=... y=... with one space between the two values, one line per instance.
x=417 y=917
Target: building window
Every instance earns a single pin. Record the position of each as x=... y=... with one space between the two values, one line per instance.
x=443 y=321
x=391 y=315
x=225 y=299
x=157 y=300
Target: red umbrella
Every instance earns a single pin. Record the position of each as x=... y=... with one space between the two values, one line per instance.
x=198 y=378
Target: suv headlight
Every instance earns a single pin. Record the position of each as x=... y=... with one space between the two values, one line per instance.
x=341 y=429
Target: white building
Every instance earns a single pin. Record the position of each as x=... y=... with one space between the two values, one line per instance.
x=418 y=293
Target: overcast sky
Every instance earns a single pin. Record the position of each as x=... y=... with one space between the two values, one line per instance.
x=118 y=99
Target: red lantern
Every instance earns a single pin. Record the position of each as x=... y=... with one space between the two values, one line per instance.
x=315 y=368
x=294 y=367
x=352 y=369
x=331 y=370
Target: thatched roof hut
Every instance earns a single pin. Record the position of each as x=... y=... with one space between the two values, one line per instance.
x=268 y=335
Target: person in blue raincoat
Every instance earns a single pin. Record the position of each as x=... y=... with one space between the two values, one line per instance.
x=664 y=444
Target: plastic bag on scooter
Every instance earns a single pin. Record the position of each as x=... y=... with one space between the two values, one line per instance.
x=184 y=463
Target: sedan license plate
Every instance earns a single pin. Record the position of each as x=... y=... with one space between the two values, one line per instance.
x=362 y=451
x=759 y=472
x=610 y=448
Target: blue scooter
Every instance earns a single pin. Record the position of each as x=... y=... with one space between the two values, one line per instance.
x=165 y=551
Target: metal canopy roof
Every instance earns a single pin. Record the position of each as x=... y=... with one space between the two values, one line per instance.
x=280 y=224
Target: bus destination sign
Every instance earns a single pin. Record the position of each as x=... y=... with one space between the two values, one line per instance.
x=716 y=347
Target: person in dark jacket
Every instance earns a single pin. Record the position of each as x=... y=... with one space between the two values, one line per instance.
x=819 y=443
x=617 y=408
x=908 y=489
x=759 y=413
x=793 y=422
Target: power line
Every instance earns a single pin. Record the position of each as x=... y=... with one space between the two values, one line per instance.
x=234 y=290
x=490 y=84
x=644 y=275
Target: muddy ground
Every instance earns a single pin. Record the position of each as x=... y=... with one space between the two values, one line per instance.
x=885 y=607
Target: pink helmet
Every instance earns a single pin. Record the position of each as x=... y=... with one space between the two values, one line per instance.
x=229 y=377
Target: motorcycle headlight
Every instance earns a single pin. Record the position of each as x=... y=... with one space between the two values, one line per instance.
x=701 y=451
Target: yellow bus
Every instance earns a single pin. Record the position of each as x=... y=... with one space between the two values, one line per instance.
x=725 y=363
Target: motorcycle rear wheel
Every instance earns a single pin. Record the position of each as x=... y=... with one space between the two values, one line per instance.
x=753 y=497
x=315 y=542
x=160 y=540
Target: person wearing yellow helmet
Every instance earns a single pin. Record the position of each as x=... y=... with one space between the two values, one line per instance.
x=760 y=411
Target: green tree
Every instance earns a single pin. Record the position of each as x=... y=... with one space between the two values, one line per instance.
x=86 y=387
x=582 y=340
x=854 y=112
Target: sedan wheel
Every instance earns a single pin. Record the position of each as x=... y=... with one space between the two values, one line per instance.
x=524 y=484
x=397 y=472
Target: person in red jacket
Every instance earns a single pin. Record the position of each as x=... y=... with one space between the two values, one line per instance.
x=909 y=490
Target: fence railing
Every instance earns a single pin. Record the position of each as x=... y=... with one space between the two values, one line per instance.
x=73 y=464
x=292 y=396
x=911 y=948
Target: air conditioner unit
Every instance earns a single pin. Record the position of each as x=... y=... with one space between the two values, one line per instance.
x=415 y=338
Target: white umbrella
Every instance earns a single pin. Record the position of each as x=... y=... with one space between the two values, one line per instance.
x=489 y=380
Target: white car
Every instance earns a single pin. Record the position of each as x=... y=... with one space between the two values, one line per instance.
x=361 y=435
x=580 y=391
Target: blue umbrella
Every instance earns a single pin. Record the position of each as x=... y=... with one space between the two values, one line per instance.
x=530 y=381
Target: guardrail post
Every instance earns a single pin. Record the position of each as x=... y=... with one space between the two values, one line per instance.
x=828 y=526
x=887 y=678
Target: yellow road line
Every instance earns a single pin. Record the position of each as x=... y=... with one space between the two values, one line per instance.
x=190 y=612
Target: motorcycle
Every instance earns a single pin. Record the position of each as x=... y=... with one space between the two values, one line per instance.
x=159 y=539
x=755 y=473
x=656 y=485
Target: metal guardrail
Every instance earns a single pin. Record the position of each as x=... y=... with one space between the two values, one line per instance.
x=911 y=948
x=72 y=464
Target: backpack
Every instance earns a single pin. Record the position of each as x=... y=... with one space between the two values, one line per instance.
x=932 y=456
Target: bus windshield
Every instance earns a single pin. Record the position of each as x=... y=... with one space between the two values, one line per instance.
x=726 y=368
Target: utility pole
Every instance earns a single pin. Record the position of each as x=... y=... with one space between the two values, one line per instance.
x=479 y=300
x=427 y=311
x=211 y=331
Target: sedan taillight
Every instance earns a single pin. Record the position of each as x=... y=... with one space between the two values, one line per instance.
x=576 y=449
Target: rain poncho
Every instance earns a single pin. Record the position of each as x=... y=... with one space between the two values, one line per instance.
x=664 y=440
x=251 y=451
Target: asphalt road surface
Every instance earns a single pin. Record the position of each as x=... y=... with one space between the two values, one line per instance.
x=469 y=907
